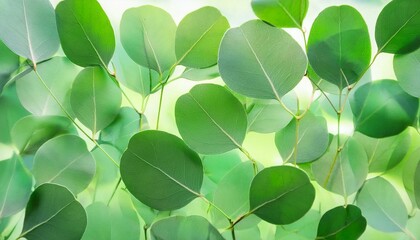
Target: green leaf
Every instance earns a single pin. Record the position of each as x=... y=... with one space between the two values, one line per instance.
x=407 y=70
x=148 y=37
x=261 y=61
x=53 y=213
x=339 y=46
x=312 y=140
x=184 y=228
x=397 y=26
x=125 y=125
x=95 y=99
x=343 y=173
x=342 y=223
x=281 y=194
x=9 y=62
x=171 y=173
x=281 y=13
x=85 y=31
x=217 y=166
x=15 y=186
x=196 y=74
x=58 y=74
x=417 y=185
x=232 y=196
x=382 y=206
x=64 y=160
x=302 y=229
x=386 y=103
x=28 y=28
x=198 y=37
x=201 y=119
x=267 y=116
x=30 y=132
x=409 y=172
x=384 y=153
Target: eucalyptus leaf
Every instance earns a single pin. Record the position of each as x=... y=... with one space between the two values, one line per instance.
x=339 y=46
x=95 y=99
x=217 y=166
x=344 y=172
x=184 y=228
x=382 y=206
x=172 y=174
x=196 y=74
x=30 y=132
x=386 y=103
x=29 y=29
x=271 y=62
x=53 y=213
x=64 y=160
x=85 y=31
x=58 y=74
x=15 y=186
x=201 y=117
x=407 y=70
x=302 y=229
x=281 y=13
x=397 y=25
x=267 y=116
x=148 y=37
x=312 y=139
x=342 y=223
x=281 y=194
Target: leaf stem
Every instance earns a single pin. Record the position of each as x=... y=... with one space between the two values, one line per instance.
x=145 y=227
x=248 y=155
x=160 y=106
x=215 y=206
x=114 y=191
x=296 y=141
x=71 y=119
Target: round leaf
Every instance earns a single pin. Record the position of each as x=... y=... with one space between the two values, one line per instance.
x=53 y=213
x=382 y=206
x=29 y=29
x=184 y=228
x=397 y=25
x=281 y=13
x=64 y=160
x=407 y=70
x=86 y=34
x=312 y=139
x=58 y=74
x=15 y=186
x=339 y=46
x=267 y=116
x=201 y=117
x=171 y=174
x=343 y=173
x=386 y=103
x=261 y=61
x=95 y=99
x=148 y=37
x=198 y=37
x=281 y=194
x=342 y=223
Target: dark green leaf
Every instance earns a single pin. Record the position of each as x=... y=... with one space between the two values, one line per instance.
x=342 y=173
x=312 y=140
x=201 y=117
x=64 y=160
x=15 y=186
x=86 y=34
x=198 y=37
x=148 y=37
x=28 y=28
x=53 y=213
x=281 y=194
x=261 y=61
x=184 y=228
x=382 y=206
x=171 y=173
x=95 y=99
x=407 y=70
x=386 y=103
x=342 y=223
x=339 y=46
x=397 y=27
x=281 y=13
